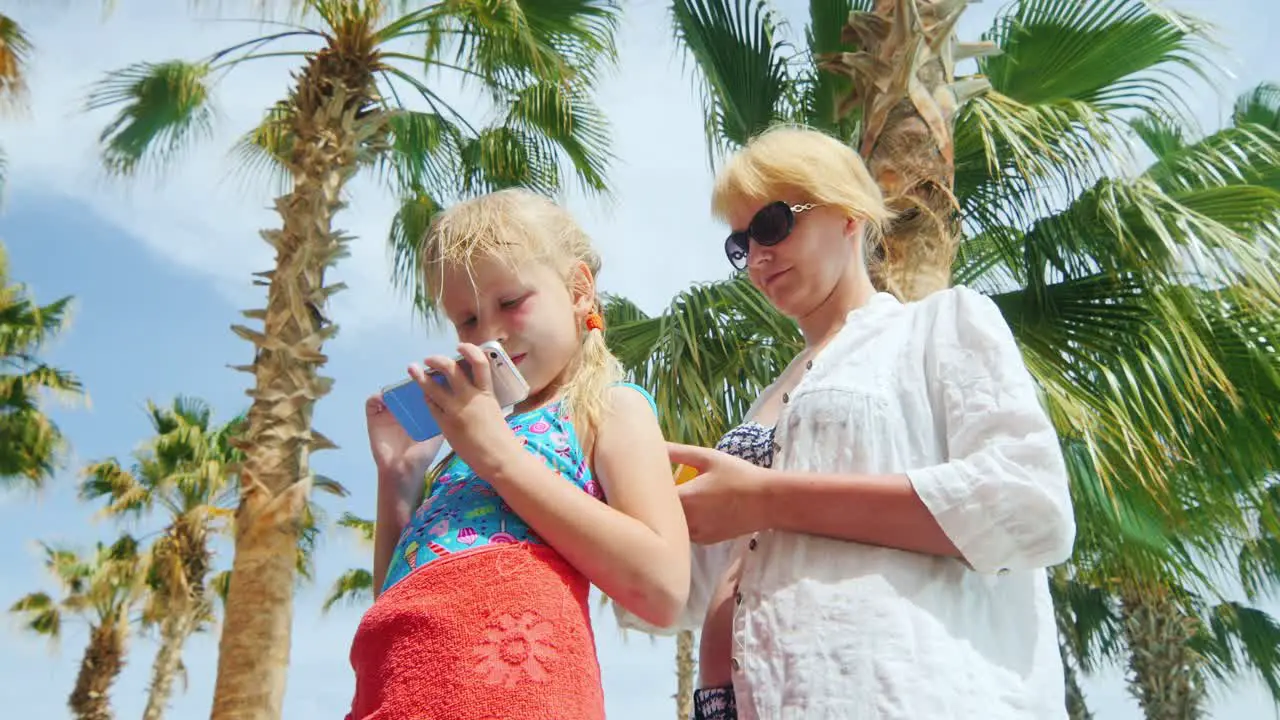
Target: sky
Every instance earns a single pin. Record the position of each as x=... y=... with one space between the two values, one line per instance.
x=160 y=268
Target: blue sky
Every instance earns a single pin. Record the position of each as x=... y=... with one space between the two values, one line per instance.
x=160 y=269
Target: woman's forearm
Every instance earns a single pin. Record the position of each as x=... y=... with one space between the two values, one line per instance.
x=881 y=510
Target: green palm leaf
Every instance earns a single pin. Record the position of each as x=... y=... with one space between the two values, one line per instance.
x=165 y=106
x=825 y=91
x=745 y=80
x=1240 y=639
x=706 y=358
x=352 y=587
x=1111 y=54
x=15 y=56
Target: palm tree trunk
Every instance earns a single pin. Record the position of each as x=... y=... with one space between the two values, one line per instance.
x=102 y=663
x=330 y=122
x=685 y=670
x=176 y=627
x=1165 y=674
x=903 y=82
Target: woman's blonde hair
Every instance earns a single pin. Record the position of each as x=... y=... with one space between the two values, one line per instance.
x=517 y=226
x=798 y=165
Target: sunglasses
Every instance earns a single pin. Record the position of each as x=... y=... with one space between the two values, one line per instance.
x=770 y=226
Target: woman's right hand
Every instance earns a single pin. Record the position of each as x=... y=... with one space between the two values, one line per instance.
x=396 y=455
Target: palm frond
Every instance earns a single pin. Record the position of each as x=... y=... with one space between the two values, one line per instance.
x=1240 y=639
x=352 y=587
x=742 y=66
x=1066 y=75
x=40 y=613
x=1161 y=134
x=15 y=55
x=562 y=119
x=263 y=152
x=408 y=230
x=1259 y=106
x=362 y=526
x=505 y=157
x=163 y=107
x=508 y=42
x=823 y=92
x=1112 y=54
x=706 y=357
x=422 y=151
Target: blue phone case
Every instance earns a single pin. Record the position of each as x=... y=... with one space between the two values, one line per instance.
x=407 y=404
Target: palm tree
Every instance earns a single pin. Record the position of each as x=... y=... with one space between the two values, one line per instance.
x=536 y=60
x=32 y=442
x=102 y=589
x=187 y=471
x=1143 y=304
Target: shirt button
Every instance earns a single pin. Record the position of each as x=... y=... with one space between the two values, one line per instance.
x=1002 y=571
x=785 y=398
x=752 y=545
x=735 y=664
x=808 y=365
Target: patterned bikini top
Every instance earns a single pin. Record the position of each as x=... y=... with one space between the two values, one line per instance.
x=750 y=441
x=460 y=511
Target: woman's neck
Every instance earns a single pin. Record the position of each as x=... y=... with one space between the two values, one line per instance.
x=823 y=322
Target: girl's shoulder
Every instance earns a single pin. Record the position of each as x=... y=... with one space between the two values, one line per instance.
x=632 y=387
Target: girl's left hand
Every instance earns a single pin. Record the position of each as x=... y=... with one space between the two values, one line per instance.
x=725 y=500
x=467 y=410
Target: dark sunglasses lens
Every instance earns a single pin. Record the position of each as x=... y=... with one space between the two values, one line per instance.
x=772 y=224
x=735 y=248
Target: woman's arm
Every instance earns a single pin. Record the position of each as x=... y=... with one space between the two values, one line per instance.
x=635 y=548
x=872 y=509
x=1000 y=501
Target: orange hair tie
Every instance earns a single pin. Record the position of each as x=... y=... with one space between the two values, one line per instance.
x=595 y=322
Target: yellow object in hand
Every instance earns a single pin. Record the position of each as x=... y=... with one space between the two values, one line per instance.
x=685 y=473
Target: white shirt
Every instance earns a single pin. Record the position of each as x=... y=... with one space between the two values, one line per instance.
x=828 y=628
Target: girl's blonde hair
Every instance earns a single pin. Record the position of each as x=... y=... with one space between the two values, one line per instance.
x=799 y=165
x=518 y=226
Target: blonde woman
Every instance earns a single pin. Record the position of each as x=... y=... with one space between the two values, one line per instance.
x=872 y=541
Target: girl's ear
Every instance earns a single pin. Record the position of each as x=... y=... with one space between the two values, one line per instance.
x=582 y=289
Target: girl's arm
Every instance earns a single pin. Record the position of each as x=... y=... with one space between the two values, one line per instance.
x=999 y=502
x=398 y=497
x=635 y=548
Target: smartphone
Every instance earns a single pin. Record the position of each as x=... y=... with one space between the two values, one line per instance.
x=409 y=407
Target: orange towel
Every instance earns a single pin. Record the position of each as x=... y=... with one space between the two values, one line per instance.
x=502 y=632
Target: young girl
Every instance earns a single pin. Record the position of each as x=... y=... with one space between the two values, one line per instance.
x=482 y=610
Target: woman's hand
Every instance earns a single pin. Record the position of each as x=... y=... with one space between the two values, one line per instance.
x=726 y=499
x=467 y=410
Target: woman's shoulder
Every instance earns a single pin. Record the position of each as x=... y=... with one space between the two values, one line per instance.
x=959 y=312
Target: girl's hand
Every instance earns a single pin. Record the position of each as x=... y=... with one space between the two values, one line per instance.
x=467 y=410
x=725 y=500
x=397 y=457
